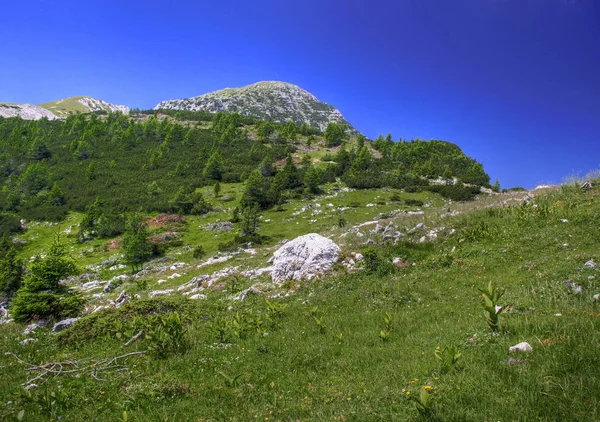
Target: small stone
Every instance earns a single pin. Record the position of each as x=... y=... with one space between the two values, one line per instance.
x=596 y=296
x=28 y=340
x=590 y=264
x=521 y=347
x=512 y=361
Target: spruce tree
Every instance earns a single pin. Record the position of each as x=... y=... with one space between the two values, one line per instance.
x=42 y=296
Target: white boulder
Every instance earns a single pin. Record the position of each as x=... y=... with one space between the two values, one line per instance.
x=304 y=258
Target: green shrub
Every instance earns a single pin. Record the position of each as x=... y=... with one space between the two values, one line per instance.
x=198 y=252
x=414 y=202
x=373 y=263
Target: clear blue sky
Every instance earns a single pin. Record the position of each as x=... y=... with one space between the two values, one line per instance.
x=515 y=83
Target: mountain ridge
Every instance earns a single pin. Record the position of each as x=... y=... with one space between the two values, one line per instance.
x=81 y=104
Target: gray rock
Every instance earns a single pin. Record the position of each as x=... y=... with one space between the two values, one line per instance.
x=304 y=258
x=224 y=226
x=33 y=326
x=28 y=340
x=251 y=290
x=65 y=323
x=590 y=264
x=576 y=288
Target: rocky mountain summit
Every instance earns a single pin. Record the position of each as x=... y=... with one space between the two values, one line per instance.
x=73 y=105
x=278 y=101
x=25 y=111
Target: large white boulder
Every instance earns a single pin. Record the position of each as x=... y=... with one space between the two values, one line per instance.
x=304 y=258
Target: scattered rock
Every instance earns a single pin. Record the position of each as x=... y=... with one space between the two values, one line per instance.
x=399 y=263
x=156 y=293
x=28 y=340
x=123 y=298
x=304 y=258
x=33 y=326
x=65 y=323
x=513 y=361
x=576 y=288
x=251 y=290
x=587 y=185
x=521 y=347
x=590 y=264
x=198 y=296
x=596 y=296
x=224 y=226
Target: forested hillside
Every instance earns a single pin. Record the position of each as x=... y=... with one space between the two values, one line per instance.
x=155 y=160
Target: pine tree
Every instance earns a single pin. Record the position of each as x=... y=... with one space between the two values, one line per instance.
x=137 y=249
x=42 y=295
x=334 y=134
x=11 y=272
x=214 y=167
x=255 y=192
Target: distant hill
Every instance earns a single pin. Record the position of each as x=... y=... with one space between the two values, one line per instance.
x=25 y=111
x=74 y=105
x=278 y=101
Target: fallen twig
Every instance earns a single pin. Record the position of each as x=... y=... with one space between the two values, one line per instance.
x=76 y=368
x=134 y=338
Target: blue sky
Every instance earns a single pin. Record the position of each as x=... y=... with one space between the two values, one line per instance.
x=515 y=83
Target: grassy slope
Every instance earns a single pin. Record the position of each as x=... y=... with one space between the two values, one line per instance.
x=290 y=369
x=66 y=106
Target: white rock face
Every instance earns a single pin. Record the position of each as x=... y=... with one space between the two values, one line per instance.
x=278 y=101
x=93 y=104
x=521 y=347
x=304 y=258
x=25 y=111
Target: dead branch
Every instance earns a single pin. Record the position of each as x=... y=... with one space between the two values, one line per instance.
x=134 y=338
x=76 y=368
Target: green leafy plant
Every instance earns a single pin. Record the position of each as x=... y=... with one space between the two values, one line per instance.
x=386 y=333
x=491 y=296
x=447 y=356
x=424 y=403
x=275 y=309
x=318 y=320
x=231 y=381
x=167 y=335
x=341 y=221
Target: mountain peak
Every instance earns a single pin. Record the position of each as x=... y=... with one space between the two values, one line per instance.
x=275 y=100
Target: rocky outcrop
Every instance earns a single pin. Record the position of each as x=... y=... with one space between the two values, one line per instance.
x=304 y=258
x=25 y=111
x=270 y=100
